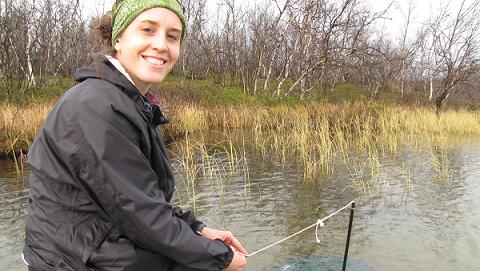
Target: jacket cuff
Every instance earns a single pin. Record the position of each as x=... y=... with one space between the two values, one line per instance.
x=226 y=258
x=197 y=226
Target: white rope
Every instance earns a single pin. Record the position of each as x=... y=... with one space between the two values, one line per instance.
x=320 y=223
x=25 y=261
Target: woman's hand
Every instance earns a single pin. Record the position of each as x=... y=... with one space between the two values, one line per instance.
x=227 y=237
x=238 y=262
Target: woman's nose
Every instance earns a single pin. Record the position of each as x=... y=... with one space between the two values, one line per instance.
x=159 y=43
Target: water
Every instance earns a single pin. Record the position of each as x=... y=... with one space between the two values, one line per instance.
x=416 y=215
x=12 y=217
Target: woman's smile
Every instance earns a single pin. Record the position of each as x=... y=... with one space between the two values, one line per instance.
x=155 y=61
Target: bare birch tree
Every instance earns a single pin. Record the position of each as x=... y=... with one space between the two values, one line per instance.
x=455 y=38
x=40 y=40
x=286 y=47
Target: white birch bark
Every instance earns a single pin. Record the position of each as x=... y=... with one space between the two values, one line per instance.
x=430 y=97
x=287 y=66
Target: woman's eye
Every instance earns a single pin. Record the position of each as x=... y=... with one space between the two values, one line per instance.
x=147 y=30
x=172 y=37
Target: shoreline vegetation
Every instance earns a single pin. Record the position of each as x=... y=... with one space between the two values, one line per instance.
x=199 y=106
x=353 y=118
x=313 y=135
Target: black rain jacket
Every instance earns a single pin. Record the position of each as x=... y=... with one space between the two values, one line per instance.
x=101 y=186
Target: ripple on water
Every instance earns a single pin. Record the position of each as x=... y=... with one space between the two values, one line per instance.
x=411 y=220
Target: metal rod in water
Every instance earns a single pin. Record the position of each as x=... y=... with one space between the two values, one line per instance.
x=347 y=245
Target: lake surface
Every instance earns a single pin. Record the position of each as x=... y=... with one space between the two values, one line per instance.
x=419 y=211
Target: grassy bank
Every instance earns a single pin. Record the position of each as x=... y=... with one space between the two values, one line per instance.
x=354 y=123
x=313 y=133
x=316 y=134
x=312 y=137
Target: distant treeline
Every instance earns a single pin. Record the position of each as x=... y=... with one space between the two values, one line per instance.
x=280 y=47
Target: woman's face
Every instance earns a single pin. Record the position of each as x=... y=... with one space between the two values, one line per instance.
x=149 y=47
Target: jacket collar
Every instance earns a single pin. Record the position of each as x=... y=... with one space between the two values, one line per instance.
x=103 y=69
x=119 y=67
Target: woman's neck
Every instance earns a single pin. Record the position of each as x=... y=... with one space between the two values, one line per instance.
x=142 y=88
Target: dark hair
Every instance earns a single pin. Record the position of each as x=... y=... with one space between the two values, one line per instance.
x=102 y=38
x=102 y=30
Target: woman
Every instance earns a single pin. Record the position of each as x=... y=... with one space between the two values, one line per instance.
x=99 y=176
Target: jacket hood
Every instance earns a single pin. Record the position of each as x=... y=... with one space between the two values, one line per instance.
x=102 y=68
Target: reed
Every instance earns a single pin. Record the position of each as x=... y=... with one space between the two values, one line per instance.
x=314 y=136
x=218 y=163
x=187 y=165
x=408 y=183
x=317 y=135
x=187 y=120
x=440 y=164
x=20 y=125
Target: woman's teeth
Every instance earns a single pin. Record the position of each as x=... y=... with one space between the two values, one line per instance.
x=155 y=61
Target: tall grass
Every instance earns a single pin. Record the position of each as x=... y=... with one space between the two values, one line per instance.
x=20 y=125
x=315 y=135
x=312 y=135
x=219 y=162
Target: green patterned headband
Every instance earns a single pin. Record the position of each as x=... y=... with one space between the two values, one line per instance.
x=128 y=10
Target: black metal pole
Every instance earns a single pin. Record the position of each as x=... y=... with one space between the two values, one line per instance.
x=347 y=245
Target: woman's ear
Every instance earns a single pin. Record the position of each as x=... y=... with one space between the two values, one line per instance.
x=117 y=46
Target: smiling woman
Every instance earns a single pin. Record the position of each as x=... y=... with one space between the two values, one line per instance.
x=100 y=180
x=150 y=46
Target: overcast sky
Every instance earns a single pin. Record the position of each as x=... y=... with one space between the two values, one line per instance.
x=393 y=22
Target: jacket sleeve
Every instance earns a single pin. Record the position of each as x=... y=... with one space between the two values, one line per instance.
x=188 y=217
x=112 y=168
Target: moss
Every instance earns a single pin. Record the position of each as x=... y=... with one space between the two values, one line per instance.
x=265 y=98
x=46 y=89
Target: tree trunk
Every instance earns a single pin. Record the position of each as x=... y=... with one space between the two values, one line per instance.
x=287 y=66
x=334 y=81
x=431 y=88
x=304 y=74
x=402 y=79
x=440 y=98
x=270 y=68
x=376 y=92
x=257 y=73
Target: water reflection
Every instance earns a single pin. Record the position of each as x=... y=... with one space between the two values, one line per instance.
x=418 y=213
x=412 y=219
x=13 y=198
